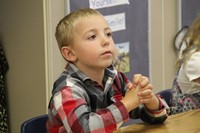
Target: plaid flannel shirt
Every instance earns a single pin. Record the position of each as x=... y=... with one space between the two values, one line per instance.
x=80 y=105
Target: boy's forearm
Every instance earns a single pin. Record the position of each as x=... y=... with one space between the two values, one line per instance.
x=129 y=105
x=154 y=104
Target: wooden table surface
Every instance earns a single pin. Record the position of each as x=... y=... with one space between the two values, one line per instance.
x=187 y=122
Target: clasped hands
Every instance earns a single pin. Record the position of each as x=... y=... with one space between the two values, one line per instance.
x=140 y=91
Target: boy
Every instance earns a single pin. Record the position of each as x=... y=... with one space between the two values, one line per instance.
x=91 y=95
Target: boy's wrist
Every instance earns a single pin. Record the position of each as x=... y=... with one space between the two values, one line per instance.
x=154 y=104
x=129 y=105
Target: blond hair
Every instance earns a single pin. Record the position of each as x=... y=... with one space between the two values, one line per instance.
x=64 y=29
x=192 y=39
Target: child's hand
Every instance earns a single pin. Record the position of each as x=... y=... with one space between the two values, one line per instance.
x=131 y=99
x=146 y=94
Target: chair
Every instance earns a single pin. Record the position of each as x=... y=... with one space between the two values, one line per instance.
x=166 y=95
x=35 y=125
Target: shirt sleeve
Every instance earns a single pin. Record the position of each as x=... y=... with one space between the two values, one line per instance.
x=74 y=112
x=192 y=67
x=161 y=111
x=155 y=116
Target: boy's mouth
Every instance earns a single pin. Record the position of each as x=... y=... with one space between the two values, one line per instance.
x=107 y=52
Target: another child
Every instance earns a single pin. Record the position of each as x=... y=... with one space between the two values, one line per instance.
x=186 y=90
x=90 y=95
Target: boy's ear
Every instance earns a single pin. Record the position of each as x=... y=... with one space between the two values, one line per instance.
x=68 y=54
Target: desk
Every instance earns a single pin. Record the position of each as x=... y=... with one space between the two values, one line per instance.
x=187 y=122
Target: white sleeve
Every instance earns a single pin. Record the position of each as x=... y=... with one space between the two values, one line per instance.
x=193 y=66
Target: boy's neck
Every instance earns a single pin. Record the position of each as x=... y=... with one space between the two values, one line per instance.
x=95 y=74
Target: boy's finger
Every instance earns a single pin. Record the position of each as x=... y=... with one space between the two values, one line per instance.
x=144 y=81
x=129 y=85
x=147 y=87
x=136 y=79
x=144 y=93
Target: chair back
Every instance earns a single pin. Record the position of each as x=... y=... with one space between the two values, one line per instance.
x=35 y=125
x=167 y=96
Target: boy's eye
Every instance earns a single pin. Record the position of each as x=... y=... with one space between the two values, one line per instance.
x=92 y=37
x=109 y=34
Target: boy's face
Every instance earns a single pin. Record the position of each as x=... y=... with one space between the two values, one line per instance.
x=92 y=43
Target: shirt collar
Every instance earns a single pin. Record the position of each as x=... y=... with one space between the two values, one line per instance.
x=72 y=70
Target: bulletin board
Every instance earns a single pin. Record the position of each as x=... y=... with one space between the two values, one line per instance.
x=128 y=20
x=189 y=9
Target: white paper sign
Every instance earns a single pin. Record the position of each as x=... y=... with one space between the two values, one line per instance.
x=96 y=4
x=116 y=21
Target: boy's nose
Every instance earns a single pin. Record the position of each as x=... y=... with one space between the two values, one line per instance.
x=105 y=41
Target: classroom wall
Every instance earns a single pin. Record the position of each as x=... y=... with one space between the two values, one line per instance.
x=22 y=36
x=27 y=31
x=163 y=27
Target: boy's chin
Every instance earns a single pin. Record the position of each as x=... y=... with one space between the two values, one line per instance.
x=108 y=65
